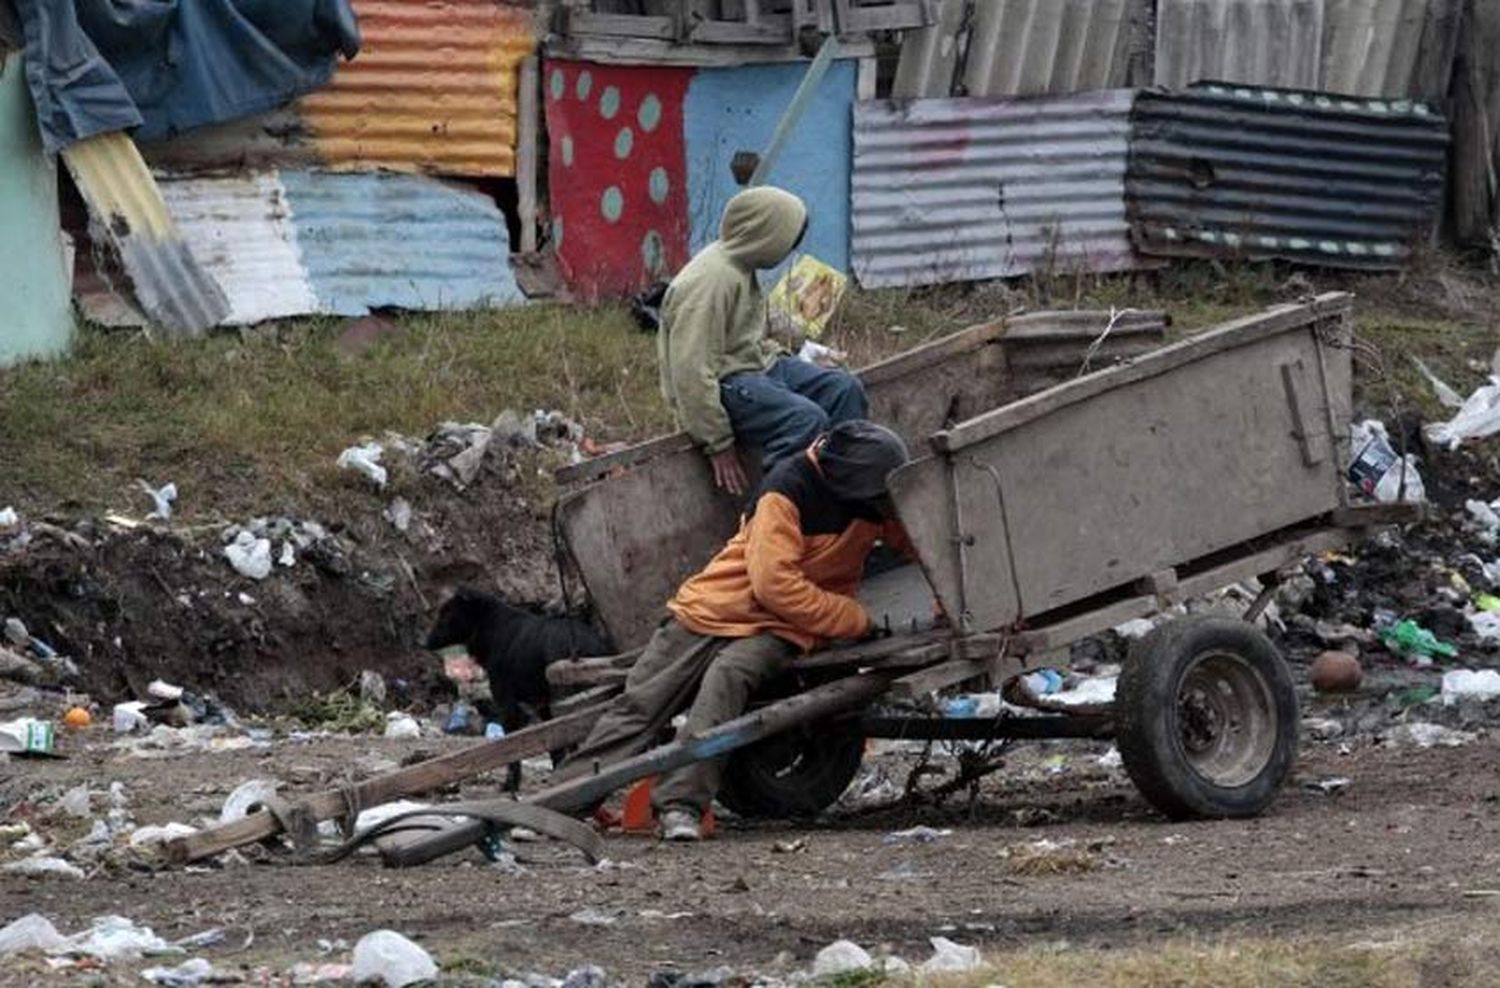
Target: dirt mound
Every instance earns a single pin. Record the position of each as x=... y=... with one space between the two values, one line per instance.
x=134 y=602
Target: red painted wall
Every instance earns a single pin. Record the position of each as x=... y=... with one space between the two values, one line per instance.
x=617 y=174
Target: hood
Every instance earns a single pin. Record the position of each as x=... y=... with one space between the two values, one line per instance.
x=856 y=459
x=761 y=226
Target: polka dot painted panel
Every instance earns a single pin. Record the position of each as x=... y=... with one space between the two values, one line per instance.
x=616 y=174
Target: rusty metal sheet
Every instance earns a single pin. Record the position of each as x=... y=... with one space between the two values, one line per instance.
x=433 y=89
x=128 y=212
x=1232 y=171
x=964 y=189
x=1085 y=488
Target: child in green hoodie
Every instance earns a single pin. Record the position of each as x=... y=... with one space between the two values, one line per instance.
x=730 y=385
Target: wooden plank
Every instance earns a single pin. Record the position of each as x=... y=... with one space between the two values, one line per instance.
x=965 y=341
x=1239 y=333
x=586 y=698
x=648 y=51
x=854 y=19
x=866 y=84
x=527 y=136
x=1045 y=637
x=1144 y=475
x=581 y=22
x=594 y=669
x=578 y=674
x=916 y=685
x=580 y=793
x=769 y=30
x=410 y=781
x=639 y=453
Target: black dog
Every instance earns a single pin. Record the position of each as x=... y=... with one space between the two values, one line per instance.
x=515 y=647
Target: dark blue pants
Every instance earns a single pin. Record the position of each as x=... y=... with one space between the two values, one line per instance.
x=783 y=410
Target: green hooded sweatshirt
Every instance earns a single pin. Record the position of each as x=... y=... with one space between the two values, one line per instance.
x=713 y=319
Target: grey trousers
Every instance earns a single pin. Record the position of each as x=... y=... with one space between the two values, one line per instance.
x=676 y=665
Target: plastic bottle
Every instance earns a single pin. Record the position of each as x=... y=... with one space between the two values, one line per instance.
x=1044 y=681
x=458 y=721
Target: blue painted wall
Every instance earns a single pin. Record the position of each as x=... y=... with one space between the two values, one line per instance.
x=735 y=109
x=34 y=280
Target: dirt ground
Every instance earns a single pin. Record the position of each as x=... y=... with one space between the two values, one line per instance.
x=1408 y=848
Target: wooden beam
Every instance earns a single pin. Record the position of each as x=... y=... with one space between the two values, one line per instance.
x=527 y=136
x=413 y=780
x=586 y=698
x=651 y=51
x=585 y=672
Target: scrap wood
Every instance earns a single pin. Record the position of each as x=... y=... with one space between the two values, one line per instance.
x=415 y=779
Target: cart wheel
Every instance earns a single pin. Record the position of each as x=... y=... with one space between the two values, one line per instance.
x=1206 y=718
x=798 y=773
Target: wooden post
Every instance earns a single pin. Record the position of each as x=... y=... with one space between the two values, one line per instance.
x=528 y=133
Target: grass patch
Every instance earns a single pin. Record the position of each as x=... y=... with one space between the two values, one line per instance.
x=251 y=422
x=1240 y=964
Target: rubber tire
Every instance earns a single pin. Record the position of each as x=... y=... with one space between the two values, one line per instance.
x=1147 y=729
x=752 y=786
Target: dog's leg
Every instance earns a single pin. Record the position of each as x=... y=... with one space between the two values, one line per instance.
x=512 y=718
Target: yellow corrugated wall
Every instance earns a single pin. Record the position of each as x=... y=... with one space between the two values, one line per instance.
x=432 y=90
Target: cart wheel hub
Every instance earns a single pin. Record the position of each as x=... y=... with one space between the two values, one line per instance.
x=1226 y=719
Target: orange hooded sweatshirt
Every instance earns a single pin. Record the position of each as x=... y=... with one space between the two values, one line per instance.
x=793 y=568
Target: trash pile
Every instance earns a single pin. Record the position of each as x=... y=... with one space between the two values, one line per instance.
x=390 y=959
x=461 y=452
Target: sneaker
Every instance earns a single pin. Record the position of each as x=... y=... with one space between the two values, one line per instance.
x=680 y=825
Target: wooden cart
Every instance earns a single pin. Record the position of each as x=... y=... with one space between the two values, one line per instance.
x=1073 y=474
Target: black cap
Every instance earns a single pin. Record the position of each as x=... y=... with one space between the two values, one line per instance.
x=857 y=457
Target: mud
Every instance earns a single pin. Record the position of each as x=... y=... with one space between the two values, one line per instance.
x=1393 y=852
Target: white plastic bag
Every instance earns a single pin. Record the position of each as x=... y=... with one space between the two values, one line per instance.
x=1464 y=684
x=841 y=957
x=386 y=957
x=31 y=932
x=1478 y=417
x=948 y=956
x=365 y=459
x=250 y=556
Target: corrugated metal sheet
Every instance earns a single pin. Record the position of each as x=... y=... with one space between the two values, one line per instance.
x=1257 y=42
x=240 y=228
x=1024 y=48
x=1390 y=48
x=433 y=89
x=1037 y=47
x=128 y=211
x=963 y=189
x=929 y=56
x=404 y=241
x=1374 y=48
x=1232 y=171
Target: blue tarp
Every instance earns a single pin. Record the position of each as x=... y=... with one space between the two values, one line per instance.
x=161 y=67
